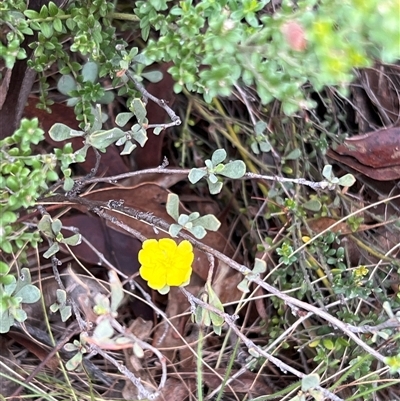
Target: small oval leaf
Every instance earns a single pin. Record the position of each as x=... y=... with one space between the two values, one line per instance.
x=235 y=169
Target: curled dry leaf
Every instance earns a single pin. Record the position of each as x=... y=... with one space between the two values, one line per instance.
x=376 y=154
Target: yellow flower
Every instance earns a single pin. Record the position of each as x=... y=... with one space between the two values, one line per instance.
x=165 y=264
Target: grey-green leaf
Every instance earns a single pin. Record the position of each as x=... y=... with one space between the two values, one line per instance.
x=153 y=76
x=260 y=127
x=128 y=148
x=309 y=382
x=218 y=156
x=60 y=132
x=327 y=172
x=313 y=204
x=198 y=231
x=139 y=110
x=209 y=222
x=259 y=266
x=122 y=118
x=29 y=294
x=66 y=84
x=172 y=206
x=90 y=71
x=56 y=226
x=103 y=139
x=139 y=134
x=347 y=180
x=74 y=240
x=174 y=230
x=44 y=226
x=52 y=250
x=294 y=154
x=196 y=174
x=117 y=291
x=214 y=188
x=235 y=169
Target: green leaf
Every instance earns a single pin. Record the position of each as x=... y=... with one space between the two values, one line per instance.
x=153 y=76
x=60 y=132
x=327 y=172
x=52 y=250
x=56 y=226
x=259 y=266
x=313 y=204
x=157 y=130
x=103 y=331
x=260 y=127
x=31 y=14
x=117 y=291
x=294 y=154
x=214 y=188
x=309 y=382
x=74 y=362
x=196 y=174
x=265 y=146
x=347 y=180
x=139 y=134
x=235 y=169
x=128 y=148
x=65 y=312
x=218 y=156
x=122 y=119
x=172 y=206
x=244 y=286
x=6 y=321
x=328 y=344
x=29 y=294
x=57 y=25
x=66 y=84
x=44 y=226
x=139 y=110
x=198 y=231
x=4 y=268
x=209 y=222
x=47 y=29
x=216 y=303
x=174 y=230
x=61 y=296
x=74 y=240
x=102 y=139
x=68 y=184
x=90 y=72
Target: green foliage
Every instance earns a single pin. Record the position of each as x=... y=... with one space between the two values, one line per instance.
x=13 y=292
x=207 y=318
x=24 y=176
x=346 y=181
x=319 y=42
x=285 y=252
x=193 y=222
x=52 y=229
x=234 y=169
x=60 y=305
x=259 y=268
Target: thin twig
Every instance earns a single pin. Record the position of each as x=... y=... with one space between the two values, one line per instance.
x=248 y=176
x=252 y=347
x=176 y=119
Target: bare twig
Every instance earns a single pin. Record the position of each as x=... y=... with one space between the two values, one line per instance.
x=249 y=176
x=253 y=348
x=162 y=103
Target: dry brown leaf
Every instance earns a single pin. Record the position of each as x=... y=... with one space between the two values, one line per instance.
x=376 y=149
